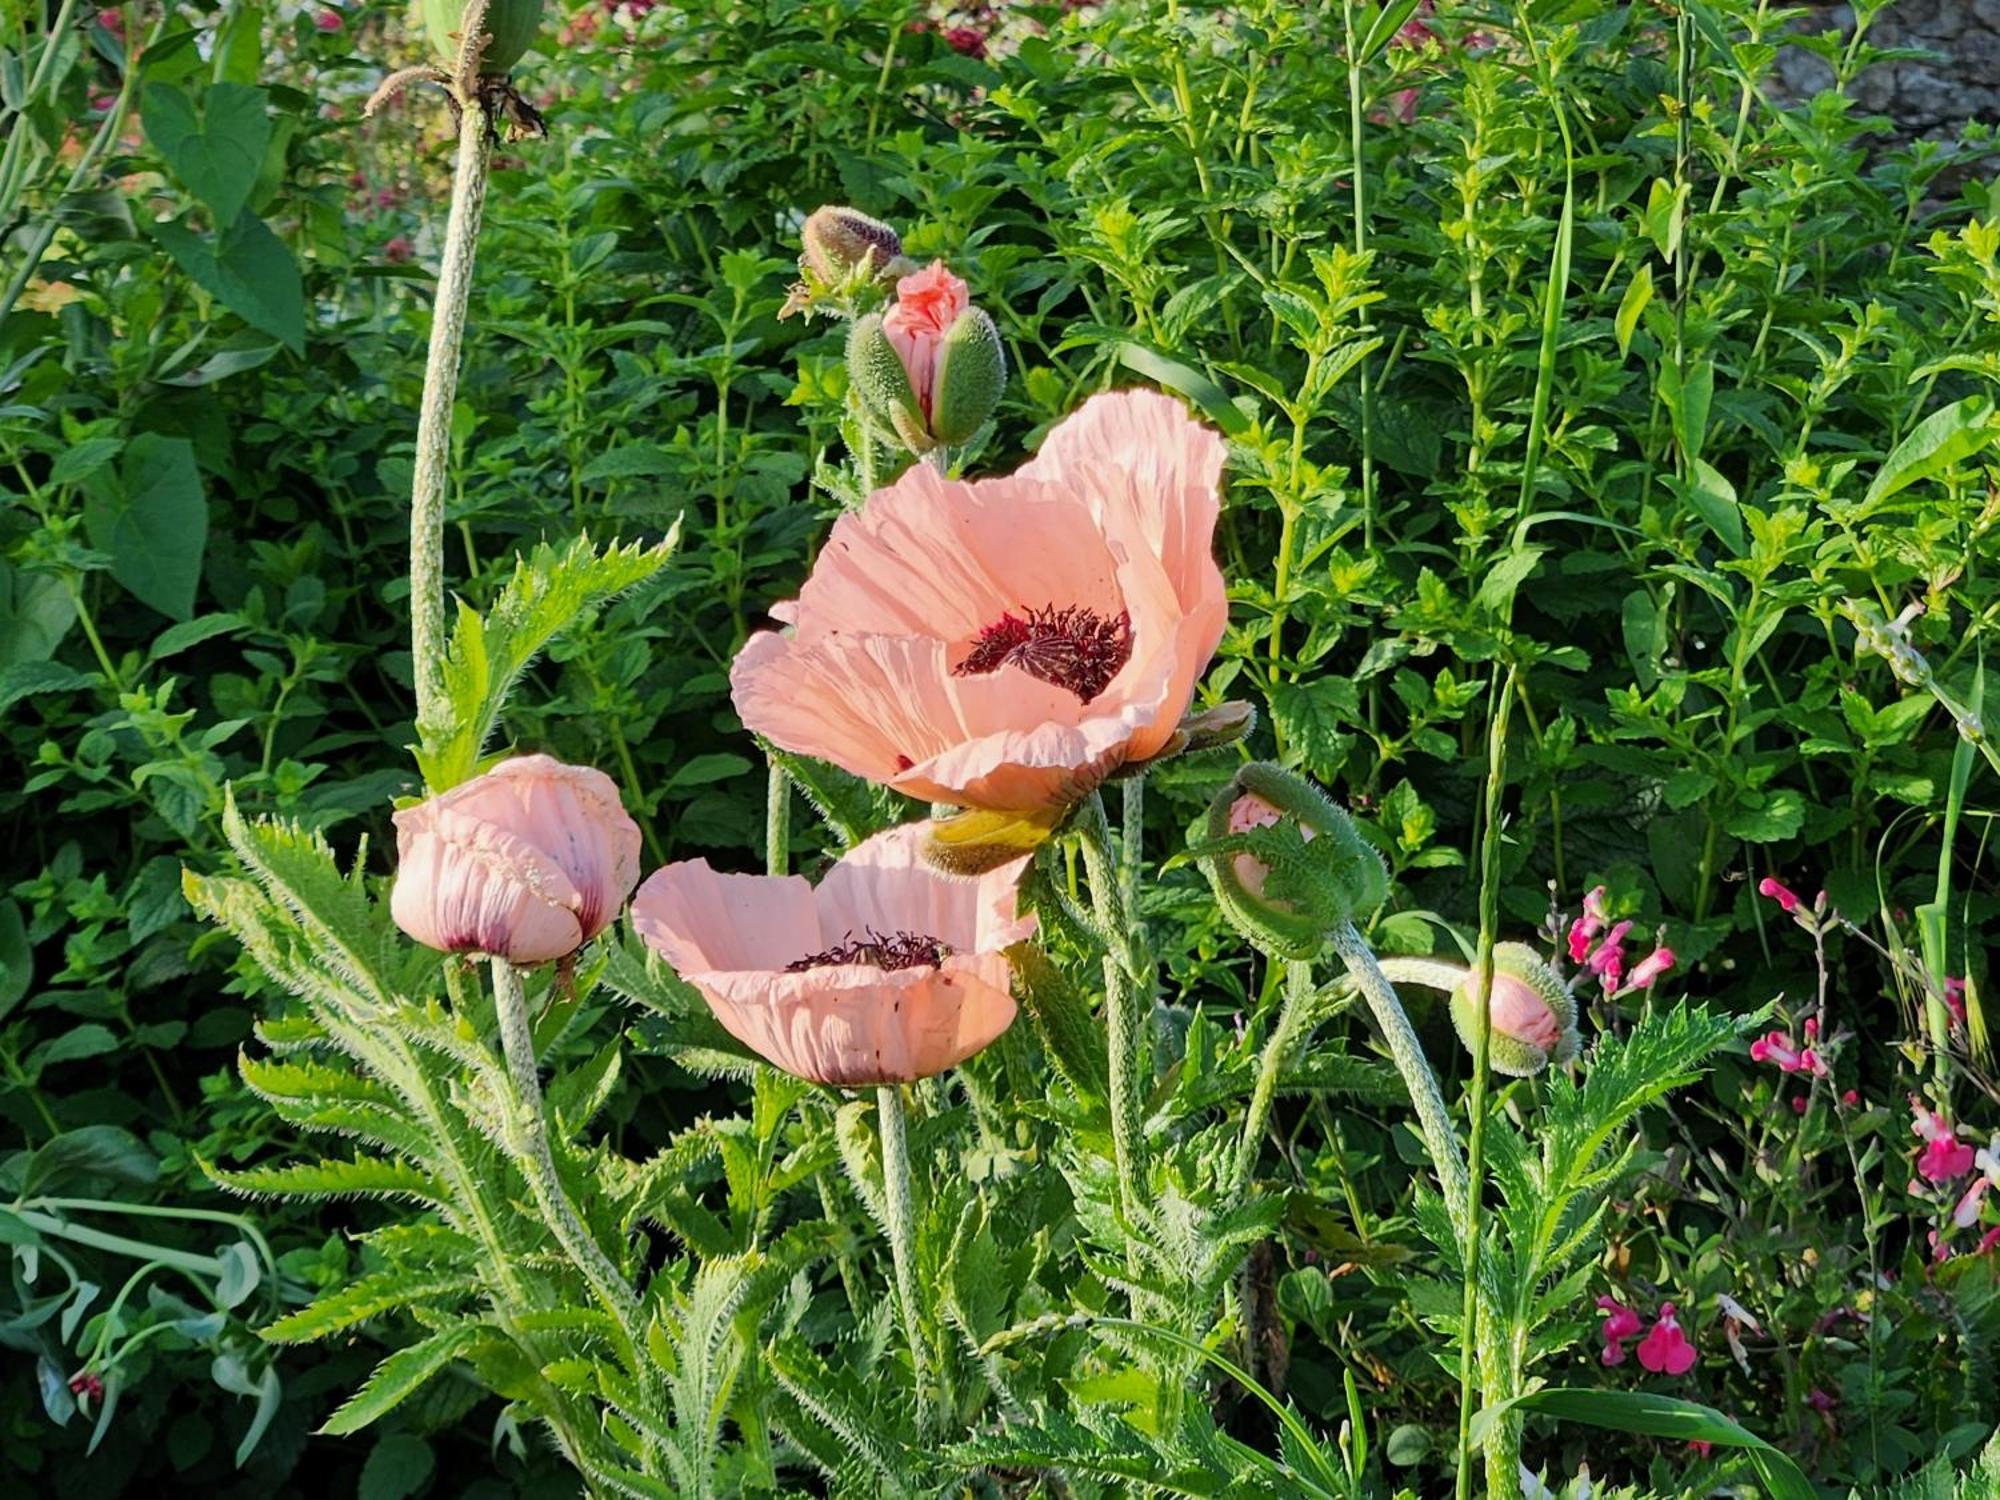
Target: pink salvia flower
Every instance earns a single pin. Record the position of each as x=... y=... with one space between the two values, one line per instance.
x=933 y=652
x=1954 y=999
x=1666 y=1350
x=1651 y=967
x=1943 y=1158
x=1611 y=955
x=328 y=20
x=1776 y=1047
x=1621 y=1325
x=927 y=304
x=1988 y=1241
x=1594 y=907
x=1582 y=932
x=1786 y=898
x=527 y=862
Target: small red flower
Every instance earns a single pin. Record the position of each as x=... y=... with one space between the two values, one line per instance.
x=329 y=20
x=1786 y=898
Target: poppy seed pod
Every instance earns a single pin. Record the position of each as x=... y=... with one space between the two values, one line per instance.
x=835 y=240
x=1287 y=865
x=510 y=30
x=1533 y=1014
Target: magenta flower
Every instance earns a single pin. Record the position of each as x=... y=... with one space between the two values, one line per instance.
x=1650 y=968
x=1943 y=1158
x=1779 y=1048
x=1786 y=898
x=1954 y=1000
x=1621 y=1325
x=1666 y=1350
x=328 y=20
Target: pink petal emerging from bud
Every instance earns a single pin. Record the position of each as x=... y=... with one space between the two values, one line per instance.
x=1245 y=813
x=927 y=304
x=527 y=862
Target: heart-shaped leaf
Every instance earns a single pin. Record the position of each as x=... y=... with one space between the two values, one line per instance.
x=248 y=270
x=152 y=518
x=216 y=152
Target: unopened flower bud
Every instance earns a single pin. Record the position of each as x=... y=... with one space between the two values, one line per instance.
x=1286 y=863
x=527 y=862
x=510 y=28
x=836 y=240
x=1533 y=1015
x=932 y=367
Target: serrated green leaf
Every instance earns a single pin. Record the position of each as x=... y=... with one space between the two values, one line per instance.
x=359 y=1301
x=399 y=1377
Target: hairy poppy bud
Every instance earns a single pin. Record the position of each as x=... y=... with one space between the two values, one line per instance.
x=510 y=28
x=932 y=368
x=527 y=862
x=1287 y=865
x=836 y=240
x=1533 y=1013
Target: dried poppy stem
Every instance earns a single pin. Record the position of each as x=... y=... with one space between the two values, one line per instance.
x=427 y=488
x=531 y=1130
x=902 y=1226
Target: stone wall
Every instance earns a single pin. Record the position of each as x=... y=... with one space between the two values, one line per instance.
x=1929 y=98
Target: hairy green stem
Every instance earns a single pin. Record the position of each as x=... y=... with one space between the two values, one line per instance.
x=427 y=487
x=1503 y=1452
x=777 y=821
x=1294 y=1020
x=607 y=1283
x=901 y=1223
x=1407 y=1053
x=1127 y=1002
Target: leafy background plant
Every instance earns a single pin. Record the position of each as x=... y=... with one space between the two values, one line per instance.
x=1674 y=489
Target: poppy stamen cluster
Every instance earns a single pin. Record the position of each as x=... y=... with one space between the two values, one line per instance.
x=1074 y=647
x=890 y=952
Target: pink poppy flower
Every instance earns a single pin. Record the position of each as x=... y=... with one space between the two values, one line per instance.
x=1787 y=899
x=934 y=651
x=886 y=972
x=1666 y=1350
x=527 y=862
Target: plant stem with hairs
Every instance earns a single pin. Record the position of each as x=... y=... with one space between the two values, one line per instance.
x=1127 y=1000
x=1294 y=1020
x=901 y=1223
x=427 y=488
x=530 y=1127
x=1504 y=1443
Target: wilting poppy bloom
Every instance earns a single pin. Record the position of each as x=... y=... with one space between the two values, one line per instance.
x=527 y=862
x=884 y=973
x=1008 y=643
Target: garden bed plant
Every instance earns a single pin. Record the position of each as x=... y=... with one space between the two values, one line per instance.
x=818 y=747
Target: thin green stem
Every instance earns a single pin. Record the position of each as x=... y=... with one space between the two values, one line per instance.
x=1360 y=177
x=1489 y=909
x=1294 y=1021
x=427 y=487
x=531 y=1134
x=777 y=821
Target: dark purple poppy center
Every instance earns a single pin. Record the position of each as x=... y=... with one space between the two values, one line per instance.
x=1073 y=647
x=894 y=950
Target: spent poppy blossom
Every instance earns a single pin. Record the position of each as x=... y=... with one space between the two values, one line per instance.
x=527 y=862
x=885 y=972
x=933 y=652
x=1665 y=1350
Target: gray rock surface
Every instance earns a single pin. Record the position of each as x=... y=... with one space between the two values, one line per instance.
x=1928 y=98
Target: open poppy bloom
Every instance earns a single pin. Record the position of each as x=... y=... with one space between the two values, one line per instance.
x=1007 y=643
x=887 y=972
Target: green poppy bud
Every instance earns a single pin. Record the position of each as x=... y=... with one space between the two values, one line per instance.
x=1287 y=865
x=835 y=240
x=971 y=375
x=510 y=29
x=876 y=372
x=1533 y=1014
